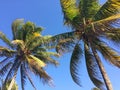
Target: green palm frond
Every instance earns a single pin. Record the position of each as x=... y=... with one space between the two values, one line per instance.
x=74 y=63
x=5 y=39
x=65 y=45
x=6 y=52
x=32 y=31
x=108 y=53
x=113 y=35
x=92 y=68
x=61 y=38
x=111 y=7
x=35 y=62
x=16 y=25
x=19 y=43
x=70 y=10
x=38 y=70
x=46 y=57
x=88 y=8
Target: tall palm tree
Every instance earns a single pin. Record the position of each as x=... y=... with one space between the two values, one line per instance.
x=27 y=53
x=92 y=24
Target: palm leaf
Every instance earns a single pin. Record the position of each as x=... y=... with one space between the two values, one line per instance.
x=30 y=79
x=88 y=8
x=64 y=37
x=113 y=35
x=92 y=68
x=6 y=52
x=108 y=53
x=111 y=7
x=16 y=25
x=70 y=10
x=5 y=68
x=13 y=70
x=23 y=76
x=19 y=43
x=109 y=19
x=34 y=61
x=37 y=69
x=5 y=40
x=74 y=63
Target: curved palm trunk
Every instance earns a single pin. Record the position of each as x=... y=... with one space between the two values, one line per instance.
x=102 y=70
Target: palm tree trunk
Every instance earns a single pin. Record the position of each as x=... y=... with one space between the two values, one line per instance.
x=102 y=70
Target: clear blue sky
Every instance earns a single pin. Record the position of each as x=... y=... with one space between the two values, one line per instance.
x=47 y=13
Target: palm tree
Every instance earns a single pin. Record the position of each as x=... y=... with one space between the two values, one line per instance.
x=27 y=53
x=92 y=24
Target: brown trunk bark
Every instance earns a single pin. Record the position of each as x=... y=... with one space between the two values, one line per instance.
x=102 y=70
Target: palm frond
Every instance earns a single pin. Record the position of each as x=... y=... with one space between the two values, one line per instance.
x=5 y=40
x=92 y=68
x=19 y=43
x=74 y=63
x=30 y=79
x=6 y=52
x=38 y=70
x=111 y=7
x=65 y=45
x=4 y=69
x=89 y=8
x=108 y=53
x=23 y=76
x=109 y=19
x=35 y=62
x=70 y=10
x=16 y=25
x=13 y=69
x=55 y=40
x=47 y=57
x=113 y=35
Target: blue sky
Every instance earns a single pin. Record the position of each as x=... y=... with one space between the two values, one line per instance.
x=47 y=13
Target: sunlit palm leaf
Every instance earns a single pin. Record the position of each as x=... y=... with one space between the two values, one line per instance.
x=70 y=10
x=19 y=43
x=111 y=7
x=92 y=68
x=109 y=19
x=34 y=61
x=46 y=57
x=37 y=69
x=6 y=52
x=74 y=64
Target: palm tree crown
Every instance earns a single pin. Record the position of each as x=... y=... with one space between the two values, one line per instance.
x=27 y=53
x=92 y=24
